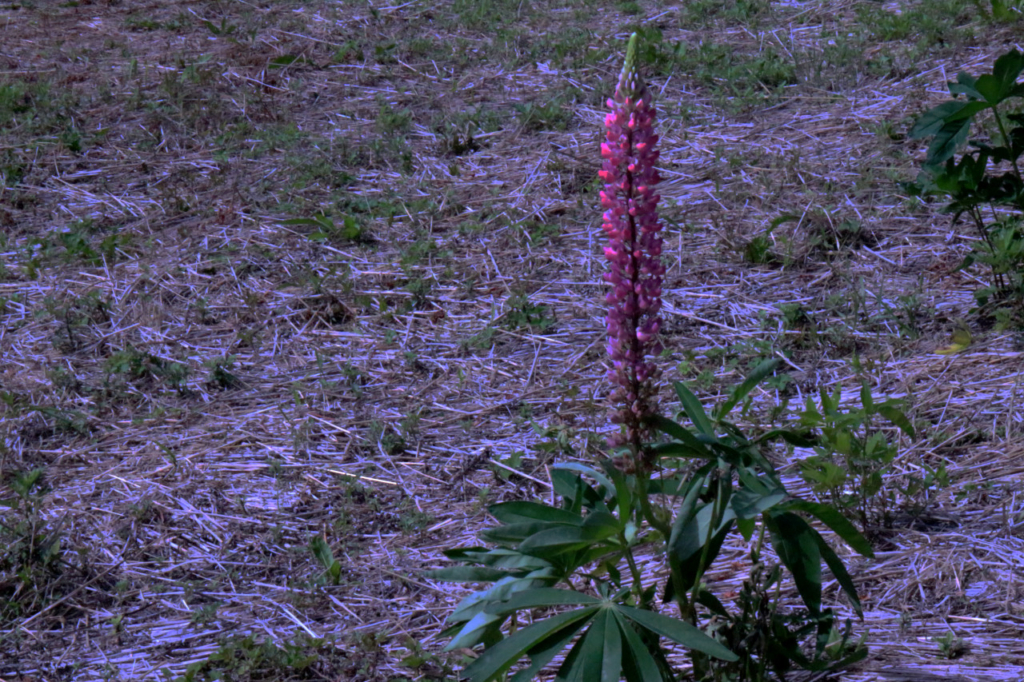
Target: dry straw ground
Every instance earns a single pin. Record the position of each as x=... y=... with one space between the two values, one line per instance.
x=208 y=388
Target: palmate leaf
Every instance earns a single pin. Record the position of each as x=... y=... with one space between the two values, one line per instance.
x=678 y=631
x=503 y=655
x=609 y=648
x=585 y=661
x=637 y=663
x=543 y=652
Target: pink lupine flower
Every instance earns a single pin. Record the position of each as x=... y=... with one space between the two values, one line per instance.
x=633 y=252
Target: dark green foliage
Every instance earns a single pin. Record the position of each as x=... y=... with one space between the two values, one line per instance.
x=614 y=630
x=985 y=184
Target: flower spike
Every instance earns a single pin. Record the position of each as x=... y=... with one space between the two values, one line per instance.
x=633 y=251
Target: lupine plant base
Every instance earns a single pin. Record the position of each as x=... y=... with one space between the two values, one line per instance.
x=255 y=434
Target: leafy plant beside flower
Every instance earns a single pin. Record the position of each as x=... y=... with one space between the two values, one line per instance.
x=985 y=184
x=565 y=580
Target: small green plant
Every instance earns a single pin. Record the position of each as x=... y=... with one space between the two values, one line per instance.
x=222 y=375
x=327 y=230
x=30 y=548
x=481 y=341
x=521 y=314
x=985 y=184
x=246 y=658
x=387 y=438
x=759 y=250
x=325 y=557
x=205 y=614
x=951 y=646
x=853 y=454
x=550 y=115
x=392 y=120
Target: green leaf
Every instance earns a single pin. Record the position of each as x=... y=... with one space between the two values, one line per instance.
x=931 y=121
x=585 y=663
x=482 y=628
x=545 y=651
x=601 y=521
x=896 y=416
x=835 y=564
x=559 y=539
x=950 y=124
x=800 y=440
x=524 y=512
x=678 y=631
x=500 y=591
x=748 y=504
x=1004 y=77
x=611 y=650
x=711 y=602
x=503 y=655
x=322 y=551
x=637 y=662
x=683 y=435
x=796 y=544
x=688 y=509
x=573 y=490
x=832 y=518
x=785 y=218
x=543 y=597
x=497 y=557
x=598 y=476
x=746 y=527
x=965 y=85
x=516 y=532
x=286 y=60
x=686 y=546
x=466 y=574
x=679 y=450
x=865 y=398
x=694 y=410
x=740 y=392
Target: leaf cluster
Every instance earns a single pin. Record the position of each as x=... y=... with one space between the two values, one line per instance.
x=985 y=184
x=571 y=569
x=853 y=454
